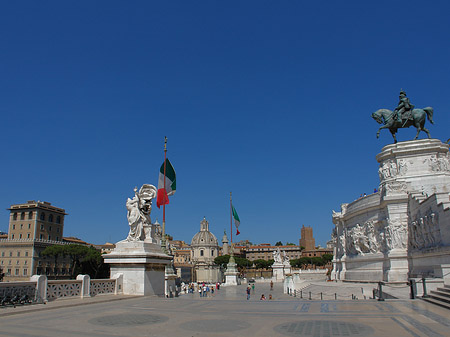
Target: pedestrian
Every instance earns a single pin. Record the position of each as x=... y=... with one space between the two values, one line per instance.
x=263 y=298
x=248 y=293
x=200 y=291
x=271 y=285
x=253 y=288
x=270 y=297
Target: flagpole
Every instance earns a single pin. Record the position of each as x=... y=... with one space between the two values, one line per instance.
x=231 y=225
x=164 y=206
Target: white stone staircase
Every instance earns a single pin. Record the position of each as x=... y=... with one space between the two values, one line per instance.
x=440 y=296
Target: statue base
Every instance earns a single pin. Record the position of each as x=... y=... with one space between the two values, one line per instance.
x=231 y=275
x=278 y=272
x=142 y=265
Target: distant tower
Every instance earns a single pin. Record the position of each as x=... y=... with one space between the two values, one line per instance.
x=225 y=247
x=307 y=239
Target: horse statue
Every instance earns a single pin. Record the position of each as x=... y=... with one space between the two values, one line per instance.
x=415 y=118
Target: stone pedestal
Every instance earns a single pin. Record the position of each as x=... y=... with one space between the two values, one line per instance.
x=278 y=272
x=170 y=277
x=402 y=230
x=231 y=275
x=142 y=265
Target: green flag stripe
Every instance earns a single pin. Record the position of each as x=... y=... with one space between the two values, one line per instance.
x=170 y=173
x=235 y=215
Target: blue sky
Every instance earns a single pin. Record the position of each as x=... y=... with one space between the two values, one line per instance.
x=268 y=99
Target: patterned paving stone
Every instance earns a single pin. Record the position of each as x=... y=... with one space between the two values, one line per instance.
x=318 y=328
x=128 y=320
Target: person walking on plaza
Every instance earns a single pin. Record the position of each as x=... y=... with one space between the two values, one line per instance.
x=248 y=293
x=271 y=285
x=253 y=288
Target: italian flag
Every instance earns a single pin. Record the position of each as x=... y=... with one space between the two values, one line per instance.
x=237 y=222
x=170 y=184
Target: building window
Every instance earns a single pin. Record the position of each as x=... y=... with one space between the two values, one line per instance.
x=50 y=228
x=21 y=226
x=17 y=271
x=8 y=271
x=50 y=218
x=18 y=254
x=3 y=254
x=10 y=253
x=15 y=216
x=26 y=254
x=212 y=252
x=14 y=226
x=49 y=237
x=30 y=215
x=28 y=235
x=25 y=263
x=29 y=226
x=20 y=236
x=18 y=262
x=58 y=219
x=22 y=216
x=201 y=252
x=57 y=229
x=12 y=236
x=57 y=238
x=43 y=216
x=25 y=272
x=42 y=227
x=41 y=236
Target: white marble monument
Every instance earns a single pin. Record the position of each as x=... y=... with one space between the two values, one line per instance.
x=140 y=258
x=402 y=230
x=281 y=265
x=231 y=274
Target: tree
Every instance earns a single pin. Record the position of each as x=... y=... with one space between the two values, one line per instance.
x=222 y=260
x=290 y=244
x=92 y=264
x=262 y=264
x=76 y=254
x=240 y=261
x=279 y=243
x=83 y=259
x=327 y=258
x=55 y=252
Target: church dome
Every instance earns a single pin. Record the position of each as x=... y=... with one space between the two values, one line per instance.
x=204 y=238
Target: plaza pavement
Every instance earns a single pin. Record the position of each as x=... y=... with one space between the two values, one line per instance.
x=227 y=313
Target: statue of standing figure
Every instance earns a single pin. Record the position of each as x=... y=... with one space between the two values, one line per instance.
x=139 y=209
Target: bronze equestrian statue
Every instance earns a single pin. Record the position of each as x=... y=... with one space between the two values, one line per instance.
x=403 y=116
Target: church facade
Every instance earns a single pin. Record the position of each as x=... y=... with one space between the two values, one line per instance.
x=204 y=249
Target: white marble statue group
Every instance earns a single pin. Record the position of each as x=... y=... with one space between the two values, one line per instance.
x=279 y=258
x=139 y=209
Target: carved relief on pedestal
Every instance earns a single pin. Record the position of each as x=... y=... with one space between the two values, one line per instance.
x=393 y=187
x=396 y=234
x=438 y=163
x=391 y=169
x=364 y=239
x=424 y=232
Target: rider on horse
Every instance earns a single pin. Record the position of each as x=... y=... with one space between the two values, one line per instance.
x=404 y=108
